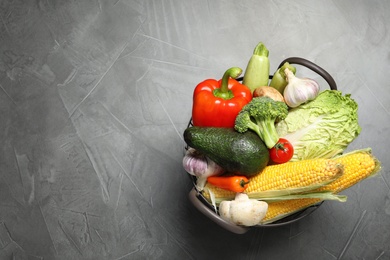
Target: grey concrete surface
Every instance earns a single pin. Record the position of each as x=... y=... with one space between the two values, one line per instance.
x=95 y=95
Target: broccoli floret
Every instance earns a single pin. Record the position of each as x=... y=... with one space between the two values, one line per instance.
x=260 y=115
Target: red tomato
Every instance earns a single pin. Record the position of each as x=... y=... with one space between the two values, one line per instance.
x=282 y=151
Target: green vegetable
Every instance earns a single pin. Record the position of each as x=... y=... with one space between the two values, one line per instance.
x=241 y=154
x=279 y=79
x=321 y=128
x=260 y=116
x=257 y=70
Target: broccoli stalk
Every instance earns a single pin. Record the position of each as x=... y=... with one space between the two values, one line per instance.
x=260 y=115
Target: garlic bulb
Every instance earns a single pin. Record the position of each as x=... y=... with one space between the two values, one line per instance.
x=200 y=166
x=299 y=90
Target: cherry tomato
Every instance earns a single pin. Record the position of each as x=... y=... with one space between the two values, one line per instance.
x=282 y=151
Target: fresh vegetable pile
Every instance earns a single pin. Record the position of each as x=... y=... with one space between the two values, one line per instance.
x=264 y=149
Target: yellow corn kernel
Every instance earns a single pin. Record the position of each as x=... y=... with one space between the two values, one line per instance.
x=280 y=209
x=358 y=165
x=283 y=179
x=218 y=193
x=299 y=174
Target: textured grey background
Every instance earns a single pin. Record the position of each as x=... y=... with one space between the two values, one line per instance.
x=95 y=95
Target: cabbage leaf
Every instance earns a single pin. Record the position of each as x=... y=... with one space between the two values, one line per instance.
x=323 y=127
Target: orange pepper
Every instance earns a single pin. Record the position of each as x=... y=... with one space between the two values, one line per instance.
x=232 y=183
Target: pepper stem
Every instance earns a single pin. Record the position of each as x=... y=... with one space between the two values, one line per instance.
x=243 y=183
x=223 y=91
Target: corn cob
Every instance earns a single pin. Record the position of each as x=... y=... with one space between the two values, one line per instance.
x=280 y=209
x=294 y=175
x=358 y=165
x=284 y=179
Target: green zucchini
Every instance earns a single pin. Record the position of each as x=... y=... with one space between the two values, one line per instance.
x=257 y=70
x=279 y=80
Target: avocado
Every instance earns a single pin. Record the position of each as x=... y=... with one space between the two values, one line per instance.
x=238 y=153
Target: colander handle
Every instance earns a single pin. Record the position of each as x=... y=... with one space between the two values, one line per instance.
x=314 y=67
x=193 y=196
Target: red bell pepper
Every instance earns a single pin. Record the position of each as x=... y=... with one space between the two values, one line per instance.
x=216 y=103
